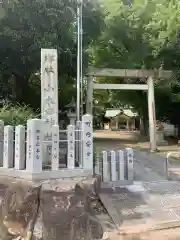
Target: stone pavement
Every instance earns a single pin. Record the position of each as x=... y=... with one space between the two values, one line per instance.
x=150 y=166
x=144 y=207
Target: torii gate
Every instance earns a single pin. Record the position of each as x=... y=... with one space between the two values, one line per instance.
x=150 y=75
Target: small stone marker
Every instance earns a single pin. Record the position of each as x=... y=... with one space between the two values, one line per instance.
x=34 y=146
x=120 y=154
x=8 y=147
x=106 y=175
x=113 y=166
x=87 y=142
x=1 y=141
x=130 y=163
x=20 y=147
x=71 y=147
x=55 y=147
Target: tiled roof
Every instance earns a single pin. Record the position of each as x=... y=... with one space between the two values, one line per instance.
x=114 y=112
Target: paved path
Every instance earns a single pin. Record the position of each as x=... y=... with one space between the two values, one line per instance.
x=149 y=167
x=147 y=204
x=145 y=208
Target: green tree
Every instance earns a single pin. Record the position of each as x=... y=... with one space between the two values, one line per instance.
x=28 y=26
x=142 y=35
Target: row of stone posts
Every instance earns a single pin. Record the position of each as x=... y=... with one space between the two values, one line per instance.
x=116 y=165
x=25 y=150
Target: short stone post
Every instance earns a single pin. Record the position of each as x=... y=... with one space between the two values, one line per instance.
x=105 y=166
x=130 y=164
x=87 y=130
x=113 y=165
x=96 y=163
x=71 y=147
x=47 y=144
x=121 y=164
x=34 y=148
x=19 y=147
x=55 y=147
x=1 y=142
x=8 y=147
x=78 y=137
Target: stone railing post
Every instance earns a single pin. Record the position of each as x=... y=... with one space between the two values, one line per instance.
x=55 y=147
x=34 y=145
x=121 y=164
x=113 y=165
x=87 y=131
x=105 y=166
x=130 y=163
x=19 y=147
x=8 y=147
x=71 y=147
x=78 y=137
x=1 y=142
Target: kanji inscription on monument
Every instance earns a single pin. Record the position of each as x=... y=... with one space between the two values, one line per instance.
x=49 y=86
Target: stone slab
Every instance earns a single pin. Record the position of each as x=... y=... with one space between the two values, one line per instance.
x=146 y=206
x=44 y=175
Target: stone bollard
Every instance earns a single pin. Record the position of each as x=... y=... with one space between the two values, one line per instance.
x=1 y=142
x=8 y=147
x=87 y=131
x=34 y=146
x=19 y=147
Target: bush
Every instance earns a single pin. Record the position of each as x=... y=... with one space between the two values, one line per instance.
x=16 y=114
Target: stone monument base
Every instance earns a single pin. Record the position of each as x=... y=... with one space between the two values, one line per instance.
x=160 y=139
x=50 y=210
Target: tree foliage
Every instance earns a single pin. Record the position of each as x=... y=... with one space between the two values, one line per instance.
x=142 y=34
x=28 y=26
x=116 y=33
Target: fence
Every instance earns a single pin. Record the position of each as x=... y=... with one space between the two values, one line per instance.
x=63 y=146
x=116 y=166
x=24 y=153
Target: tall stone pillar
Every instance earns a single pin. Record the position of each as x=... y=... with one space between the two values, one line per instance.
x=49 y=97
x=152 y=114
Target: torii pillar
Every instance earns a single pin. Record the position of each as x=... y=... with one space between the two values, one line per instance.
x=152 y=114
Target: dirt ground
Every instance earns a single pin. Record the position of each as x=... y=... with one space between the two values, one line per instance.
x=107 y=140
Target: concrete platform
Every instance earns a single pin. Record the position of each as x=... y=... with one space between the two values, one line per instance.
x=143 y=207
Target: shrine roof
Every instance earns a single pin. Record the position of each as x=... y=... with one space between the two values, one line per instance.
x=110 y=113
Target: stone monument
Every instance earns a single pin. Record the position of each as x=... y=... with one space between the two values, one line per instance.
x=49 y=97
x=160 y=135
